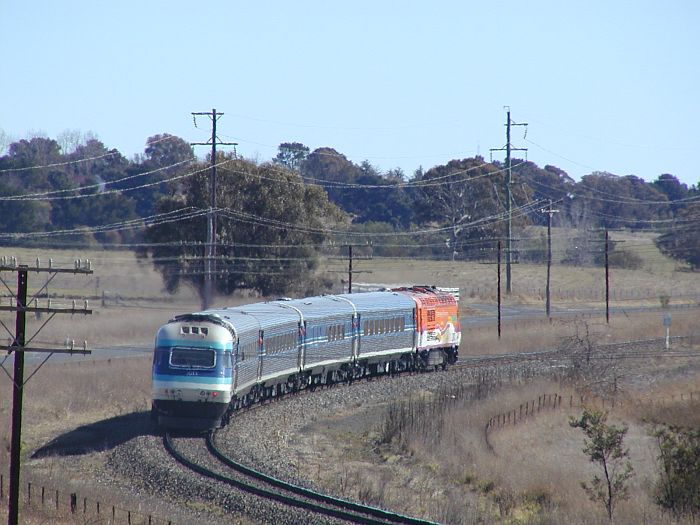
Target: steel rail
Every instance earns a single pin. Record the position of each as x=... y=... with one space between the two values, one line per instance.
x=392 y=517
x=345 y=515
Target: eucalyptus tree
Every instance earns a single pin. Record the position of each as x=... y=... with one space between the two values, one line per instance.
x=269 y=227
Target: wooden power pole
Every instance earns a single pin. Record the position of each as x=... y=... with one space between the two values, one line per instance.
x=509 y=196
x=210 y=247
x=22 y=305
x=549 y=211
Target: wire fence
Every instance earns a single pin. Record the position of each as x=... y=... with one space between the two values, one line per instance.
x=64 y=504
x=548 y=402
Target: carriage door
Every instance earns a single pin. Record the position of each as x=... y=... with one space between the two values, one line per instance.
x=261 y=351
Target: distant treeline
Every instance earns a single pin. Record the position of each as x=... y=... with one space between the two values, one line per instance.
x=77 y=190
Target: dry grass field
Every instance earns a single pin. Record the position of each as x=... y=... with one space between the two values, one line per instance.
x=533 y=473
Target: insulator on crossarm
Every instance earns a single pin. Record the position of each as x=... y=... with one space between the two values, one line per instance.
x=38 y=263
x=85 y=345
x=86 y=304
x=50 y=263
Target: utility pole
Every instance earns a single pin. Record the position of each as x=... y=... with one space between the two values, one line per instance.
x=607 y=278
x=350 y=268
x=499 y=250
x=210 y=248
x=352 y=258
x=509 y=182
x=499 y=288
x=549 y=211
x=18 y=348
x=607 y=242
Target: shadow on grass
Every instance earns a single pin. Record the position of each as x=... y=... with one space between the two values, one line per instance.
x=100 y=436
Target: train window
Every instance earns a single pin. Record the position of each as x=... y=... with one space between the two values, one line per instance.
x=184 y=329
x=195 y=329
x=205 y=330
x=336 y=332
x=192 y=358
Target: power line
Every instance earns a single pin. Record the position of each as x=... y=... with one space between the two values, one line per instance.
x=78 y=161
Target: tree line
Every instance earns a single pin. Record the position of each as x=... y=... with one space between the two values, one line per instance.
x=273 y=215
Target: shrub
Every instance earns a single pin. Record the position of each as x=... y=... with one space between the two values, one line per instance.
x=678 y=486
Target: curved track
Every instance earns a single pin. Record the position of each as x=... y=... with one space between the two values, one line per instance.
x=287 y=493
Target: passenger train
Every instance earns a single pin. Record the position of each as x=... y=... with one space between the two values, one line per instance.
x=207 y=365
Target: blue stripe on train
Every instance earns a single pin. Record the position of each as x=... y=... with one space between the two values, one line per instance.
x=193 y=379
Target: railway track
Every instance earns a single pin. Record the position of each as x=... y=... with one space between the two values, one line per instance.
x=247 y=479
x=268 y=487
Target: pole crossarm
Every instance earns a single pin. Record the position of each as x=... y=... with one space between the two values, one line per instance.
x=16 y=349
x=44 y=269
x=46 y=310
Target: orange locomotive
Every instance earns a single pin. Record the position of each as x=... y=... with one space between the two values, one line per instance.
x=437 y=323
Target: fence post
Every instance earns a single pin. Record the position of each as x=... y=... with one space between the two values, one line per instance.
x=73 y=502
x=2 y=486
x=29 y=494
x=57 y=506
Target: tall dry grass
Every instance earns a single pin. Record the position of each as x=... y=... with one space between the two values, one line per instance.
x=530 y=472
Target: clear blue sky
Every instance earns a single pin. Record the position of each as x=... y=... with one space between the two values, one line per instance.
x=604 y=85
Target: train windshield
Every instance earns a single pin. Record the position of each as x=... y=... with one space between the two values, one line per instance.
x=192 y=358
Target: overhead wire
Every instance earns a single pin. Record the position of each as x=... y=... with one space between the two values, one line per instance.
x=78 y=161
x=38 y=196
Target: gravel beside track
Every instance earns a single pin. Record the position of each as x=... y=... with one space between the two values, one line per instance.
x=263 y=438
